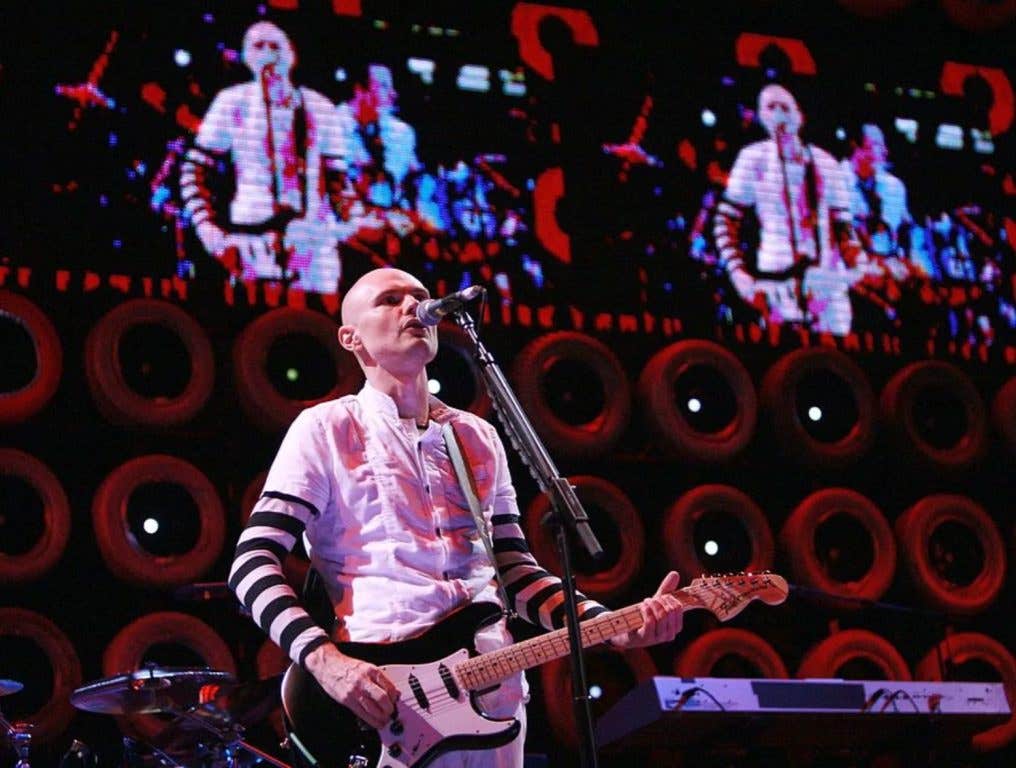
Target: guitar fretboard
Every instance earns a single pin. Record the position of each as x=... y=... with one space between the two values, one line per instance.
x=488 y=669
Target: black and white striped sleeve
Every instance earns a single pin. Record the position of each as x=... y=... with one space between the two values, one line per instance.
x=194 y=192
x=727 y=232
x=537 y=595
x=256 y=577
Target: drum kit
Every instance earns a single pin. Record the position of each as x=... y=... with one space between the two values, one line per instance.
x=18 y=734
x=206 y=711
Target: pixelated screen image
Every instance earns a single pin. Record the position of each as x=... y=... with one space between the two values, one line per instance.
x=699 y=170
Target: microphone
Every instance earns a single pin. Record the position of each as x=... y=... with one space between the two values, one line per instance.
x=430 y=311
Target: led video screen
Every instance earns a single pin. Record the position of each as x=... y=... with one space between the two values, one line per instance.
x=716 y=169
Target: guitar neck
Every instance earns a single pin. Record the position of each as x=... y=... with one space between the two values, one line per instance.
x=490 y=668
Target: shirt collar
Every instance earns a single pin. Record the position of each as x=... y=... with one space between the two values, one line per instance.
x=376 y=400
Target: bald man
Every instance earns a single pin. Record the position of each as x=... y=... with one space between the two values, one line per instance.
x=367 y=479
x=802 y=203
x=282 y=141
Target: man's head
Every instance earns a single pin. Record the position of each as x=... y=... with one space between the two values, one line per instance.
x=778 y=111
x=379 y=323
x=871 y=151
x=382 y=87
x=264 y=44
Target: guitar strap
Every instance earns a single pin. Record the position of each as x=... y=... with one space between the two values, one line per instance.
x=464 y=474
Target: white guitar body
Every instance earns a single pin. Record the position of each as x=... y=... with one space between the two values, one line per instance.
x=446 y=718
x=437 y=711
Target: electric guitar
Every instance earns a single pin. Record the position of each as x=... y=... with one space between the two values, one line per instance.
x=437 y=712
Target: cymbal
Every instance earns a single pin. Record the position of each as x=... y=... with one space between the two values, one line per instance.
x=8 y=687
x=147 y=691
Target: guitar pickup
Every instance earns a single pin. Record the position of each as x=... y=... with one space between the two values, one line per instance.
x=449 y=681
x=417 y=689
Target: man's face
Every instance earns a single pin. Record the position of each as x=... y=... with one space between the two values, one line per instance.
x=380 y=325
x=381 y=86
x=265 y=45
x=778 y=111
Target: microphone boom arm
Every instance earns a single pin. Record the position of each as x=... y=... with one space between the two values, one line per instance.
x=527 y=443
x=567 y=515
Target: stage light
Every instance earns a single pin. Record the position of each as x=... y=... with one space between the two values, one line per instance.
x=423 y=68
x=182 y=57
x=513 y=83
x=163 y=519
x=722 y=541
x=982 y=142
x=908 y=127
x=949 y=136
x=826 y=406
x=705 y=398
x=340 y=75
x=473 y=77
x=841 y=134
x=708 y=118
x=434 y=386
x=595 y=692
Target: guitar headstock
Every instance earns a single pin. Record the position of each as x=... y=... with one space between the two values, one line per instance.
x=727 y=595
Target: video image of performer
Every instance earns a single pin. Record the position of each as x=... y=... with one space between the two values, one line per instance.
x=282 y=141
x=807 y=256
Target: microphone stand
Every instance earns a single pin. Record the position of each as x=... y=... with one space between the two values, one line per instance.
x=567 y=515
x=788 y=201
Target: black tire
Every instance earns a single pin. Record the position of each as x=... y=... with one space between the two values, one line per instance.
x=899 y=401
x=681 y=517
x=915 y=531
x=780 y=391
x=115 y=399
x=118 y=546
x=798 y=541
x=597 y=435
x=22 y=404
x=56 y=512
x=656 y=395
x=55 y=715
x=263 y=404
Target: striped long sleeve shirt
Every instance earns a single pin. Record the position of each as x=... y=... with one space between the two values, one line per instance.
x=389 y=529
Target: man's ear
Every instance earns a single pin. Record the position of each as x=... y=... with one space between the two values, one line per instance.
x=349 y=339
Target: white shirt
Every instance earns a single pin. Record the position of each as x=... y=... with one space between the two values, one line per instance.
x=756 y=180
x=394 y=540
x=236 y=122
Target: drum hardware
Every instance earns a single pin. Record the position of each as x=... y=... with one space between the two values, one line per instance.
x=79 y=755
x=210 y=713
x=19 y=734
